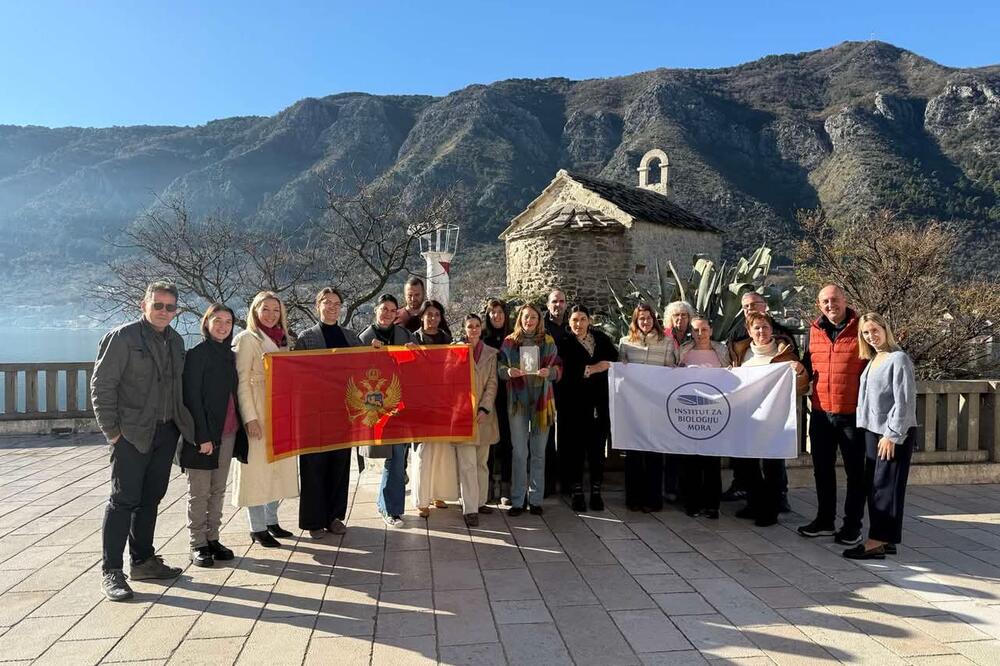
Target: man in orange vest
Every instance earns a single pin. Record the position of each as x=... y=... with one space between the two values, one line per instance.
x=835 y=366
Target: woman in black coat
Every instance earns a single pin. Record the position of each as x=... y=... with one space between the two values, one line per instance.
x=496 y=327
x=586 y=355
x=210 y=384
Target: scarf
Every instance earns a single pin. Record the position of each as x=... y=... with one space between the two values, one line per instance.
x=276 y=333
x=477 y=351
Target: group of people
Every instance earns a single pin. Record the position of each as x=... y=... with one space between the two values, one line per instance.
x=541 y=394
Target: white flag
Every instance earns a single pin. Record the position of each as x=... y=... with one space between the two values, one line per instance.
x=742 y=412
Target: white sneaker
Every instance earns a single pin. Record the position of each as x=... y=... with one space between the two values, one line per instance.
x=393 y=521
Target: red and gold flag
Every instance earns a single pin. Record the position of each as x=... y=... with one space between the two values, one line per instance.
x=326 y=399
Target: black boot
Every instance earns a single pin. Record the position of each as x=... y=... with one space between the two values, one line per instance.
x=579 y=503
x=278 y=531
x=596 y=501
x=220 y=552
x=265 y=539
x=202 y=556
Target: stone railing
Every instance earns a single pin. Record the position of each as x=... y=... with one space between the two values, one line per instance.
x=958 y=421
x=45 y=391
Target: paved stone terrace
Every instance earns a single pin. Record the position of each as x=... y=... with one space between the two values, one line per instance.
x=609 y=588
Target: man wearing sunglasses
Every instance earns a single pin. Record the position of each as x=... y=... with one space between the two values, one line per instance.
x=137 y=395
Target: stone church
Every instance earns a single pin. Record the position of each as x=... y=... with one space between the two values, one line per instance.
x=582 y=230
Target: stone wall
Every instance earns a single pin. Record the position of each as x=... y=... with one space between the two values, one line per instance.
x=652 y=242
x=576 y=261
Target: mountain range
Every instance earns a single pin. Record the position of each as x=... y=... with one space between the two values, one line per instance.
x=858 y=126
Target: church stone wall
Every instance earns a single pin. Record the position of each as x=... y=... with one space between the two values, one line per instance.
x=652 y=242
x=576 y=261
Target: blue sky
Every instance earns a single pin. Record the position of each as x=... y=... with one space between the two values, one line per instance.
x=101 y=63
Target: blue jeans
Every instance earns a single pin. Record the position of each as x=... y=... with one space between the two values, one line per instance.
x=391 y=498
x=262 y=515
x=523 y=443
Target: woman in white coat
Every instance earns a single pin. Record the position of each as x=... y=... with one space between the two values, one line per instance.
x=260 y=485
x=473 y=472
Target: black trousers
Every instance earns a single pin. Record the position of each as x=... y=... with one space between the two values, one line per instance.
x=138 y=483
x=644 y=480
x=672 y=463
x=886 y=484
x=765 y=486
x=502 y=453
x=829 y=433
x=701 y=482
x=584 y=442
x=325 y=479
x=745 y=470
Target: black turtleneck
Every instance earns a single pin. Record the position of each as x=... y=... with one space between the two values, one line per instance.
x=332 y=335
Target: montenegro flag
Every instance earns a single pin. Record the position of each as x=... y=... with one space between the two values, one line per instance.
x=325 y=399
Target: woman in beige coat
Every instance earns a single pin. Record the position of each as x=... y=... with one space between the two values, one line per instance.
x=473 y=472
x=260 y=485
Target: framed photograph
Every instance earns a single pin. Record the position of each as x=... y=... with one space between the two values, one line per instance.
x=529 y=360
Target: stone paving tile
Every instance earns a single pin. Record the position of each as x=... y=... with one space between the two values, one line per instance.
x=206 y=651
x=561 y=585
x=984 y=653
x=520 y=612
x=464 y=617
x=715 y=637
x=592 y=636
x=683 y=603
x=18 y=605
x=483 y=654
x=277 y=641
x=615 y=588
x=106 y=620
x=786 y=644
x=533 y=644
x=30 y=637
x=649 y=631
x=338 y=649
x=511 y=585
x=78 y=653
x=737 y=603
x=662 y=583
x=409 y=651
x=656 y=588
x=136 y=644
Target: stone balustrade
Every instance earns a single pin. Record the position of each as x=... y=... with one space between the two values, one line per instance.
x=41 y=397
x=959 y=420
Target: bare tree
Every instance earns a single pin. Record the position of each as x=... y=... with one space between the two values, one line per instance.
x=371 y=234
x=364 y=239
x=904 y=271
x=212 y=259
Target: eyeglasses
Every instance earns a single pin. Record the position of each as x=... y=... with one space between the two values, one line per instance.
x=169 y=307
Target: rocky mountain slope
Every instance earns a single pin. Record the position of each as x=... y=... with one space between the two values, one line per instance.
x=857 y=126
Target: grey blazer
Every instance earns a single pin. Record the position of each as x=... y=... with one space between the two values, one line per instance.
x=312 y=338
x=122 y=382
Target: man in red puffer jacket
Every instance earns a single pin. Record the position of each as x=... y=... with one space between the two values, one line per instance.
x=835 y=366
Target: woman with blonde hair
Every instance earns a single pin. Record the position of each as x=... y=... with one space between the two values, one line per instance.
x=260 y=485
x=648 y=344
x=529 y=363
x=887 y=413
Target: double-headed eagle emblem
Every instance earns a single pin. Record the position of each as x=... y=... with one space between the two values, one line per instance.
x=373 y=400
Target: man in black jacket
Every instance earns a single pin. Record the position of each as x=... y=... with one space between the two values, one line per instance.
x=557 y=325
x=136 y=390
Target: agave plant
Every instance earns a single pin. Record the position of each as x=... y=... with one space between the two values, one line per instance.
x=714 y=292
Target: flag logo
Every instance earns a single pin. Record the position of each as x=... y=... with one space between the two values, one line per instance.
x=698 y=410
x=373 y=401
